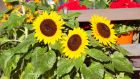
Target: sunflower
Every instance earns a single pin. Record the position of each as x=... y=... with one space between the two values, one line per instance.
x=48 y=27
x=75 y=43
x=30 y=18
x=103 y=30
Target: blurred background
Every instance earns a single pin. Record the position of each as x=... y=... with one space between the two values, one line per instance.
x=2 y=7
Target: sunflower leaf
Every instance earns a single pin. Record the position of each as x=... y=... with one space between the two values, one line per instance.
x=108 y=76
x=56 y=46
x=24 y=46
x=42 y=61
x=71 y=19
x=28 y=72
x=121 y=63
x=73 y=15
x=78 y=62
x=92 y=40
x=97 y=68
x=64 y=66
x=109 y=66
x=122 y=50
x=8 y=61
x=88 y=73
x=71 y=23
x=98 y=55
x=66 y=77
x=3 y=40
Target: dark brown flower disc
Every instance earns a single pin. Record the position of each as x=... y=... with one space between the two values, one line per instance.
x=103 y=30
x=74 y=42
x=48 y=27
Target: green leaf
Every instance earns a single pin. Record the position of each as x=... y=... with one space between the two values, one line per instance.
x=98 y=55
x=100 y=4
x=109 y=66
x=24 y=46
x=73 y=15
x=88 y=73
x=88 y=3
x=29 y=26
x=71 y=23
x=122 y=76
x=117 y=54
x=78 y=62
x=64 y=66
x=66 y=77
x=3 y=40
x=8 y=61
x=92 y=41
x=65 y=16
x=123 y=29
x=97 y=68
x=14 y=21
x=71 y=19
x=77 y=76
x=1 y=30
x=4 y=77
x=43 y=8
x=121 y=63
x=56 y=46
x=108 y=76
x=42 y=61
x=31 y=6
x=122 y=50
x=28 y=72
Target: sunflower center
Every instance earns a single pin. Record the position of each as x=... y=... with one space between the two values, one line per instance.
x=48 y=27
x=103 y=30
x=74 y=42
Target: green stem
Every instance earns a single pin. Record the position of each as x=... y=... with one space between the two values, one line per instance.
x=49 y=48
x=13 y=41
x=26 y=32
x=15 y=34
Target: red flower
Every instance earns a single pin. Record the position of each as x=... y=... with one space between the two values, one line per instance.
x=72 y=5
x=124 y=4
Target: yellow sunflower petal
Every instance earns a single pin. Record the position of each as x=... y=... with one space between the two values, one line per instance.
x=75 y=43
x=47 y=28
x=102 y=30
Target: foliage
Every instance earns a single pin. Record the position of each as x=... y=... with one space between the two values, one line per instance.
x=23 y=57
x=96 y=4
x=124 y=29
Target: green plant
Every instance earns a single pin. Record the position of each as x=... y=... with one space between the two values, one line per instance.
x=124 y=29
x=96 y=4
x=22 y=56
